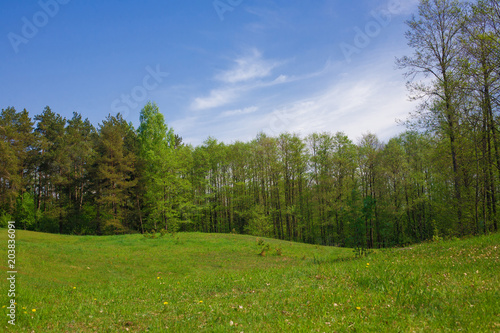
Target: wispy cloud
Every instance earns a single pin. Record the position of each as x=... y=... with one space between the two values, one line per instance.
x=217 y=97
x=246 y=74
x=349 y=105
x=251 y=73
x=352 y=107
x=248 y=68
x=239 y=112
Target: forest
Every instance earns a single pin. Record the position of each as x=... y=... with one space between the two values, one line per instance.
x=440 y=178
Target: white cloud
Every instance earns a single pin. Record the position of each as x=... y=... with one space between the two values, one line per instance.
x=248 y=68
x=245 y=76
x=217 y=97
x=366 y=98
x=281 y=79
x=239 y=112
x=353 y=107
x=369 y=105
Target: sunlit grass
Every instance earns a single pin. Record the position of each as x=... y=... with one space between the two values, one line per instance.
x=219 y=283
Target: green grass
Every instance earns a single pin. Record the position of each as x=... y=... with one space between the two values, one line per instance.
x=219 y=283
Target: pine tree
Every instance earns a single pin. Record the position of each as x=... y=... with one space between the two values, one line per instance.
x=115 y=167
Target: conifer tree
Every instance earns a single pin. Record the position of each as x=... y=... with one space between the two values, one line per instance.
x=114 y=174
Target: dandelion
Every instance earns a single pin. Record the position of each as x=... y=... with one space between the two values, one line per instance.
x=367 y=264
x=165 y=303
x=34 y=310
x=25 y=312
x=158 y=277
x=201 y=301
x=74 y=287
x=95 y=299
x=358 y=308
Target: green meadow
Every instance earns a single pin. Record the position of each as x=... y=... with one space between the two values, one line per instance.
x=194 y=282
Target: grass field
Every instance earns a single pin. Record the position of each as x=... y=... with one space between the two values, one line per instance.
x=218 y=283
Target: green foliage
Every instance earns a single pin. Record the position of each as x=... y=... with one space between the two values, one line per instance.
x=47 y=222
x=25 y=211
x=436 y=237
x=5 y=219
x=115 y=172
x=149 y=235
x=360 y=252
x=84 y=221
x=163 y=160
x=259 y=223
x=265 y=248
x=323 y=189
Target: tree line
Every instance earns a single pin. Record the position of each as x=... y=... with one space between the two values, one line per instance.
x=440 y=178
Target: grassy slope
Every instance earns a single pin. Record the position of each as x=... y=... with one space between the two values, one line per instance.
x=218 y=283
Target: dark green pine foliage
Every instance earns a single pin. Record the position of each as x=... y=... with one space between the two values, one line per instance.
x=51 y=170
x=114 y=172
x=16 y=140
x=79 y=188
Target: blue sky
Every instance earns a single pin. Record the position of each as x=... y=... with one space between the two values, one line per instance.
x=226 y=68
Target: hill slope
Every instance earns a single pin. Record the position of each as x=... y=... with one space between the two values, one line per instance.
x=205 y=282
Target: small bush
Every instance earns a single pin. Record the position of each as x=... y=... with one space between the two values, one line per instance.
x=150 y=234
x=4 y=220
x=361 y=252
x=264 y=250
x=436 y=237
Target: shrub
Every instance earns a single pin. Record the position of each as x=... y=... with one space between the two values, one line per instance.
x=264 y=250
